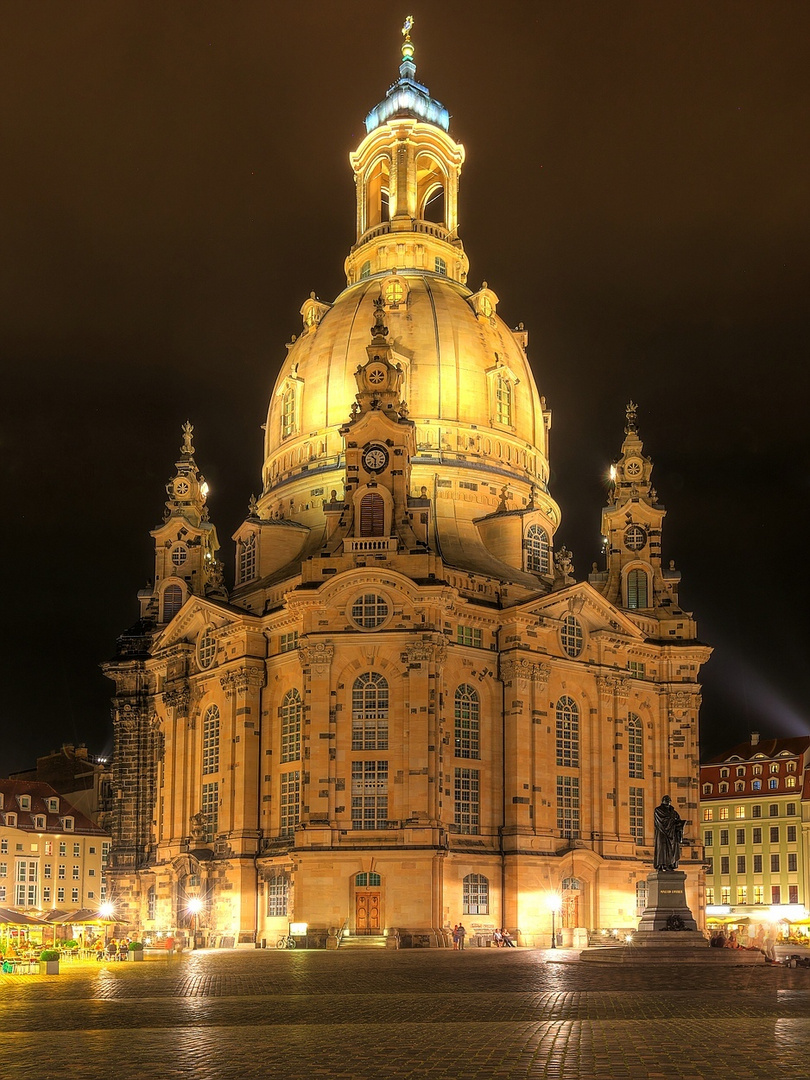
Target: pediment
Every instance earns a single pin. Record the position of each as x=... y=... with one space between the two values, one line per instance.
x=197 y=613
x=590 y=607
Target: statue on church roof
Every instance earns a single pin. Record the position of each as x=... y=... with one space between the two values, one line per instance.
x=631 y=411
x=188 y=446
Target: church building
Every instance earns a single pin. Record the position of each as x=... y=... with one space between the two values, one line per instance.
x=407 y=711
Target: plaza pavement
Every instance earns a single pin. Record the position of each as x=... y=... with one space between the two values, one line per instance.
x=494 y=1013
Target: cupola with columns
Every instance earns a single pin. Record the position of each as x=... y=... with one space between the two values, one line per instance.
x=406 y=174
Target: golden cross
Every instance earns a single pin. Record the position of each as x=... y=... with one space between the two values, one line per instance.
x=407 y=27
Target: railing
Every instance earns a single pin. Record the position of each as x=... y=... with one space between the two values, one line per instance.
x=378 y=543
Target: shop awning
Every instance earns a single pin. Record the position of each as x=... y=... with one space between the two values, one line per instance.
x=18 y=918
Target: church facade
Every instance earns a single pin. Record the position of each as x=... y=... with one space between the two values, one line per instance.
x=406 y=712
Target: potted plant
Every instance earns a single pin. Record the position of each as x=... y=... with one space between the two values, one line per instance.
x=136 y=948
x=49 y=962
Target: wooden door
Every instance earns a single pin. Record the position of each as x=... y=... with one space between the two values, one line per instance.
x=367 y=912
x=570 y=911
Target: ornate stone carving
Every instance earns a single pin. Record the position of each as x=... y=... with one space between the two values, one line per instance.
x=525 y=669
x=179 y=698
x=242 y=681
x=318 y=656
x=684 y=699
x=419 y=652
x=613 y=685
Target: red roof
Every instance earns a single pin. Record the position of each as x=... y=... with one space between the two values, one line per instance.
x=40 y=793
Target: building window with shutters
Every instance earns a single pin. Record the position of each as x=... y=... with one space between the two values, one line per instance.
x=372 y=515
x=172 y=601
x=637 y=589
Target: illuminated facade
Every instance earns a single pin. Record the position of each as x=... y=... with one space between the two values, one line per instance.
x=51 y=855
x=752 y=801
x=407 y=711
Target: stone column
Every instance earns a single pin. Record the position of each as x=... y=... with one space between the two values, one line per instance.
x=318 y=744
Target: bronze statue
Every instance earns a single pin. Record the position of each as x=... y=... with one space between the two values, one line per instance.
x=668 y=835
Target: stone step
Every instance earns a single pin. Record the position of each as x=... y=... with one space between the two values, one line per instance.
x=363 y=941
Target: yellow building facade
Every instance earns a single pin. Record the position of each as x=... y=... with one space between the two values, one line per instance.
x=407 y=712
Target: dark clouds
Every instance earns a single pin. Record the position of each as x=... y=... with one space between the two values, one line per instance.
x=175 y=182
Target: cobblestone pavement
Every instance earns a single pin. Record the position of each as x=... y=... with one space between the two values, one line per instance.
x=429 y=1014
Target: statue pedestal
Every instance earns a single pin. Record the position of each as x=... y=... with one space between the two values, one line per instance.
x=667 y=933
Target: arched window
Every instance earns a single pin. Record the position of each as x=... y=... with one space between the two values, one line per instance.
x=247 y=559
x=206 y=648
x=288 y=417
x=467 y=718
x=151 y=903
x=567 y=732
x=367 y=881
x=365 y=270
x=291 y=709
x=739 y=785
x=210 y=754
x=707 y=789
x=278 y=891
x=773 y=784
x=756 y=785
x=172 y=601
x=740 y=770
x=370 y=712
x=377 y=188
x=637 y=589
x=790 y=781
x=372 y=515
x=635 y=746
x=475 y=897
x=571 y=636
x=434 y=208
x=723 y=788
x=503 y=400
x=537 y=549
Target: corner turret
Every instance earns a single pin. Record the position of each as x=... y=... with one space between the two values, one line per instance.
x=634 y=578
x=186 y=543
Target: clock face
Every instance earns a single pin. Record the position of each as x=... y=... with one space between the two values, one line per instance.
x=181 y=488
x=375 y=458
x=376 y=375
x=633 y=467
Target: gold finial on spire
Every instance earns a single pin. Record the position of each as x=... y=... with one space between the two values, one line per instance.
x=407 y=45
x=630 y=412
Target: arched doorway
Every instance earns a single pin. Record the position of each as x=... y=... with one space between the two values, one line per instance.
x=367 y=904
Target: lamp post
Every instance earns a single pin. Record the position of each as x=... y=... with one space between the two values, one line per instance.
x=106 y=912
x=554 y=903
x=194 y=908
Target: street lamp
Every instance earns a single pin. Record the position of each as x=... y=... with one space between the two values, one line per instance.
x=554 y=903
x=194 y=908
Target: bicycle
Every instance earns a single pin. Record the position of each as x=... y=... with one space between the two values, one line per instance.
x=286 y=941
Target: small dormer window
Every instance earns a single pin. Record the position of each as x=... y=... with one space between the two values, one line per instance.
x=68 y=823
x=365 y=270
x=791 y=766
x=53 y=806
x=25 y=802
x=247 y=558
x=774 y=767
x=724 y=772
x=739 y=785
x=740 y=770
x=39 y=821
x=288 y=412
x=723 y=789
x=440 y=266
x=11 y=820
x=394 y=292
x=503 y=401
x=707 y=789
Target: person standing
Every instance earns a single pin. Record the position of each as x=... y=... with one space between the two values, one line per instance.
x=462 y=933
x=455 y=936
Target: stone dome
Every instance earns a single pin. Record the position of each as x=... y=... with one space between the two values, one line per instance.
x=467 y=385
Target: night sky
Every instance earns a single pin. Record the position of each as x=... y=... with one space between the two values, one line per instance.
x=175 y=182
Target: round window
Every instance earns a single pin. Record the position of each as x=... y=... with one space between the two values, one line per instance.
x=179 y=554
x=206 y=648
x=635 y=538
x=369 y=611
x=571 y=636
